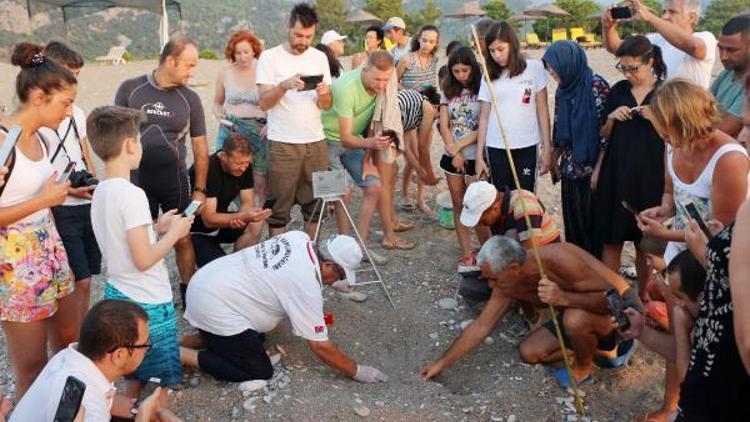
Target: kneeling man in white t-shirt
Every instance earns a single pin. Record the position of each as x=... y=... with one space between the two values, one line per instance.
x=235 y=299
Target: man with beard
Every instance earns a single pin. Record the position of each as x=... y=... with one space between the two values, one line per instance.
x=294 y=86
x=728 y=88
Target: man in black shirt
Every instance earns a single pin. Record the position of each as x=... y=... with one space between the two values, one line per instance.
x=229 y=175
x=173 y=112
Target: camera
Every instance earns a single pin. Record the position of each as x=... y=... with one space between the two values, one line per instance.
x=81 y=178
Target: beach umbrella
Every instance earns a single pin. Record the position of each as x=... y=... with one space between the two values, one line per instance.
x=523 y=18
x=360 y=16
x=546 y=11
x=467 y=10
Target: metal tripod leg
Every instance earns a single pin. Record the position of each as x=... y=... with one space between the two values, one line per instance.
x=323 y=202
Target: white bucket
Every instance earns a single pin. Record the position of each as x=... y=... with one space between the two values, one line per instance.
x=445 y=210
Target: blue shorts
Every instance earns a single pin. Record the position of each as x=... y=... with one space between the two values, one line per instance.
x=163 y=360
x=251 y=129
x=340 y=158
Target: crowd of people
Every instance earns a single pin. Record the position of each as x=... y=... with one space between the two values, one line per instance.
x=657 y=158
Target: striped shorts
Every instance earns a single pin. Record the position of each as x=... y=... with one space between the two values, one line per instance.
x=163 y=360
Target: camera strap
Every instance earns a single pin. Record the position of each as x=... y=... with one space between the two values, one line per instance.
x=12 y=157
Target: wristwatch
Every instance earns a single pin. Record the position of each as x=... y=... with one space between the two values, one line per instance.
x=199 y=189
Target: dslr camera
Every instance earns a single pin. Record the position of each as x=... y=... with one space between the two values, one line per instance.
x=81 y=178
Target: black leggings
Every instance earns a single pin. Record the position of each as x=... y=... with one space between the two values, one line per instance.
x=236 y=358
x=525 y=159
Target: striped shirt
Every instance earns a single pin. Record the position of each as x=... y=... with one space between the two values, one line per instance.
x=513 y=221
x=415 y=76
x=410 y=102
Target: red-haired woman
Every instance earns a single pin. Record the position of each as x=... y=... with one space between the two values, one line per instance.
x=236 y=103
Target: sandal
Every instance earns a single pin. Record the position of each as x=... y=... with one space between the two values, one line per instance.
x=398 y=244
x=563 y=379
x=400 y=226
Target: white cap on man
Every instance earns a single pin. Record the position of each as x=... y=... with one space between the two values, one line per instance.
x=347 y=254
x=394 y=22
x=478 y=197
x=331 y=36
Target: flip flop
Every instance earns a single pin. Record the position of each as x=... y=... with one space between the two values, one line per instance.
x=402 y=227
x=398 y=244
x=625 y=351
x=563 y=380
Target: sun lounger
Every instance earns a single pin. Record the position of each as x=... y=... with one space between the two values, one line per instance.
x=559 y=34
x=532 y=41
x=113 y=57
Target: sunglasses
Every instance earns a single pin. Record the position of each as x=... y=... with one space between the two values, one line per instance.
x=627 y=68
x=146 y=346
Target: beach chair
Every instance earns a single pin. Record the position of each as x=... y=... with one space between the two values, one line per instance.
x=113 y=57
x=577 y=33
x=532 y=41
x=590 y=42
x=559 y=34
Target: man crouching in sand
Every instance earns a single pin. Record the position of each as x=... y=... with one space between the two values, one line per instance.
x=576 y=284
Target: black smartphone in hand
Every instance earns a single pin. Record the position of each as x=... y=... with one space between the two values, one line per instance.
x=70 y=400
x=621 y=13
x=692 y=211
x=616 y=307
x=311 y=81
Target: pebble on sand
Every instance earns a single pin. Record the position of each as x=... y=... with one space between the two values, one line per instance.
x=447 y=303
x=252 y=385
x=361 y=410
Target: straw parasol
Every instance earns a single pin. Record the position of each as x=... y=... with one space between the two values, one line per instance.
x=360 y=16
x=467 y=10
x=546 y=11
x=523 y=18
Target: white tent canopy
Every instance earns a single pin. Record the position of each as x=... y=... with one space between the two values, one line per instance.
x=75 y=8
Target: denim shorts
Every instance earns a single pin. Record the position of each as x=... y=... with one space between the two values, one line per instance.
x=251 y=129
x=340 y=158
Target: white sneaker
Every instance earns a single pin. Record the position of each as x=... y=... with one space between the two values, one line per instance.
x=377 y=259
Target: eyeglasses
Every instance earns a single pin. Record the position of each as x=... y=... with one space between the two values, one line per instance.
x=627 y=68
x=146 y=346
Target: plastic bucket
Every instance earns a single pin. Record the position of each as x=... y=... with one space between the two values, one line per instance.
x=445 y=210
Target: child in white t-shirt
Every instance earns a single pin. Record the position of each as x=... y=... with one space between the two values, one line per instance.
x=520 y=89
x=125 y=232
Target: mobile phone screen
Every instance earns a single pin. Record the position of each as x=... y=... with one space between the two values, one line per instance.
x=192 y=208
x=66 y=173
x=692 y=211
x=10 y=141
x=270 y=202
x=70 y=400
x=616 y=308
x=148 y=389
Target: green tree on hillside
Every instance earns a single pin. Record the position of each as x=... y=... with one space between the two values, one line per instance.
x=579 y=17
x=332 y=14
x=429 y=14
x=497 y=9
x=719 y=12
x=384 y=9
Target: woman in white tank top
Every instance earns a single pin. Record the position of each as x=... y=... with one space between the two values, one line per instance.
x=35 y=280
x=704 y=166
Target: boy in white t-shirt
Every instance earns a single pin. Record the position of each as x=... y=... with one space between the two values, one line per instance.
x=123 y=227
x=687 y=54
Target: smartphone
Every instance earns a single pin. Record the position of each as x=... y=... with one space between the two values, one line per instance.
x=622 y=13
x=616 y=307
x=66 y=173
x=10 y=142
x=270 y=202
x=147 y=390
x=192 y=208
x=630 y=208
x=692 y=211
x=311 y=81
x=70 y=400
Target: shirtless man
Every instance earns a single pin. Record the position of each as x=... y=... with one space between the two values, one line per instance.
x=576 y=283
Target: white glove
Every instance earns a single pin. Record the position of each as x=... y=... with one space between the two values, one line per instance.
x=369 y=374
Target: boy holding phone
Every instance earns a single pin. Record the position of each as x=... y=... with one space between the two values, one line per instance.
x=230 y=175
x=123 y=226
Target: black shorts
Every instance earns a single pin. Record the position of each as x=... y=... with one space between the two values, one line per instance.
x=74 y=225
x=525 y=159
x=164 y=190
x=208 y=247
x=446 y=163
x=236 y=358
x=608 y=343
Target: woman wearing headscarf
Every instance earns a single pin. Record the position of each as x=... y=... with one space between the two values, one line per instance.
x=579 y=103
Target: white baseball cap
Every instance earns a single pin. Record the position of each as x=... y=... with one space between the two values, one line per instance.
x=331 y=36
x=478 y=197
x=394 y=22
x=347 y=254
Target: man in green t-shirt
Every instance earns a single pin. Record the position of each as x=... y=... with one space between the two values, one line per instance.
x=344 y=125
x=729 y=88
